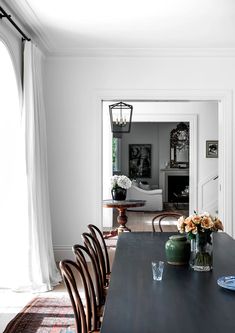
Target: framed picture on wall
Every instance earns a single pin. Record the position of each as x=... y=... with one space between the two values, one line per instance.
x=212 y=149
x=140 y=160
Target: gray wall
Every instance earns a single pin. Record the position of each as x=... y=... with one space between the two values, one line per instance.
x=156 y=134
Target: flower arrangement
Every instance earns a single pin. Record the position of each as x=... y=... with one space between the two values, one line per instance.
x=199 y=228
x=199 y=223
x=120 y=181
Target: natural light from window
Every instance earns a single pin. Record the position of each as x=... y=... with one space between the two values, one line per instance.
x=13 y=185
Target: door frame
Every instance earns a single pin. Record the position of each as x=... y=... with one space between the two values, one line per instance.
x=225 y=119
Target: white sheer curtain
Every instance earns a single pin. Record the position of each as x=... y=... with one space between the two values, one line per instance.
x=14 y=229
x=26 y=254
x=42 y=270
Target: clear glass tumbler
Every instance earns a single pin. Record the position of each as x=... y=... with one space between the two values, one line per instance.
x=157 y=269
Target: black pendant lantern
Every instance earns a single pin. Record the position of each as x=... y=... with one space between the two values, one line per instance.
x=120 y=117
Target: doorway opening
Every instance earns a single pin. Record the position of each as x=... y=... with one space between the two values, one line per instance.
x=197 y=114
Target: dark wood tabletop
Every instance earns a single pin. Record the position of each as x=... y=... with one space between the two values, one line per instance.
x=184 y=301
x=123 y=203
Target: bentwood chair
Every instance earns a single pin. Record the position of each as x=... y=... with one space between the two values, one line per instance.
x=97 y=234
x=93 y=273
x=86 y=320
x=159 y=217
x=95 y=251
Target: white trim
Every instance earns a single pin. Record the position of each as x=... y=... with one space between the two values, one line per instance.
x=225 y=170
x=225 y=139
x=201 y=186
x=27 y=18
x=62 y=252
x=142 y=52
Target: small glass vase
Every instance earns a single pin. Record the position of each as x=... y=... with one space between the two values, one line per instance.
x=201 y=258
x=118 y=194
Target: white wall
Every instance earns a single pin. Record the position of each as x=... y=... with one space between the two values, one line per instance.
x=73 y=131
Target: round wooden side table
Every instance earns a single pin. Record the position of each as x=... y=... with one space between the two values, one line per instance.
x=122 y=206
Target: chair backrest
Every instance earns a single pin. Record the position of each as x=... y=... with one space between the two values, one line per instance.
x=94 y=275
x=96 y=233
x=85 y=320
x=95 y=251
x=159 y=217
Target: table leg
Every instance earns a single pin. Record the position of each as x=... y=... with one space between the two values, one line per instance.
x=122 y=220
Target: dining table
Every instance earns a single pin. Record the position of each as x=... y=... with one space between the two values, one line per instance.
x=184 y=301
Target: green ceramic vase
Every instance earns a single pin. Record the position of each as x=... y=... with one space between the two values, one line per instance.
x=177 y=250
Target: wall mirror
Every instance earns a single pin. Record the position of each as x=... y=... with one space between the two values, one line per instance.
x=179 y=146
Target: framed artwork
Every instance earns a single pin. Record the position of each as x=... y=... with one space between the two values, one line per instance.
x=212 y=149
x=140 y=160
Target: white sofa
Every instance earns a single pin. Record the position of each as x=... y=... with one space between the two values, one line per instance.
x=153 y=198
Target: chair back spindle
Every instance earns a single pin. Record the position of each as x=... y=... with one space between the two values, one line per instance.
x=85 y=320
x=96 y=233
x=80 y=252
x=159 y=217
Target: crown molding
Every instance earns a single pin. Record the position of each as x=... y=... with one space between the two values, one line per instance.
x=27 y=18
x=143 y=52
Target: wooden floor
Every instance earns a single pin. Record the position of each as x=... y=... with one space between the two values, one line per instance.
x=142 y=221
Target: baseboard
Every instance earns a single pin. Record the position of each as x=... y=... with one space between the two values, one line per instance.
x=62 y=252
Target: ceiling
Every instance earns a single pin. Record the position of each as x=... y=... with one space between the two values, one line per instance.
x=129 y=27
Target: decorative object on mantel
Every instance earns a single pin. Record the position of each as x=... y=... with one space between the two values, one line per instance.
x=179 y=146
x=212 y=149
x=119 y=185
x=120 y=117
x=177 y=250
x=199 y=229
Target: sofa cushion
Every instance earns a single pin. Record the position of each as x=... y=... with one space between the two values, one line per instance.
x=144 y=186
x=135 y=183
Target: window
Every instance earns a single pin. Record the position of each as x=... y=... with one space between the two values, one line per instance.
x=116 y=155
x=13 y=181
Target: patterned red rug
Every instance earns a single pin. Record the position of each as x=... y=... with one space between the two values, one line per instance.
x=44 y=315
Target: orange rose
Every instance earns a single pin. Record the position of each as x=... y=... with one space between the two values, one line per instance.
x=218 y=224
x=190 y=226
x=188 y=219
x=207 y=222
x=196 y=219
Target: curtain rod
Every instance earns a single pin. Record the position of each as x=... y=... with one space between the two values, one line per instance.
x=4 y=14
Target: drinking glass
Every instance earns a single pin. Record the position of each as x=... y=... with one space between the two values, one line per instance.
x=157 y=269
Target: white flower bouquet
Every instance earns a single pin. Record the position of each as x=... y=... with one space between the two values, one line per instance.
x=120 y=181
